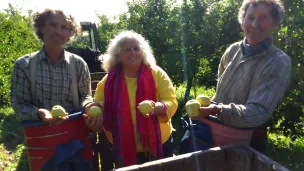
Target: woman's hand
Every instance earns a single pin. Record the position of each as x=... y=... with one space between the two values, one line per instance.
x=89 y=105
x=94 y=123
x=160 y=109
x=46 y=117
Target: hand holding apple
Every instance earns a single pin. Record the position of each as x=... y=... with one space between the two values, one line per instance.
x=193 y=108
x=146 y=107
x=95 y=111
x=58 y=111
x=203 y=100
x=53 y=117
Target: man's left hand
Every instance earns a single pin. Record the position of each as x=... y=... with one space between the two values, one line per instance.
x=212 y=109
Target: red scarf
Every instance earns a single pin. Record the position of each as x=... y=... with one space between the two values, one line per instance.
x=118 y=116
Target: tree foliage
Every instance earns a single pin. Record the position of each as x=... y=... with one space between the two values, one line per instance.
x=188 y=40
x=17 y=38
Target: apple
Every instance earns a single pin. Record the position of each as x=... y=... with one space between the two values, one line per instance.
x=58 y=111
x=95 y=111
x=146 y=106
x=203 y=100
x=192 y=108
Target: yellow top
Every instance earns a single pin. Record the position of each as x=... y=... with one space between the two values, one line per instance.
x=164 y=91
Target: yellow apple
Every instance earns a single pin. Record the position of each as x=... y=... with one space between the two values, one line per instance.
x=145 y=107
x=94 y=111
x=203 y=100
x=58 y=111
x=192 y=108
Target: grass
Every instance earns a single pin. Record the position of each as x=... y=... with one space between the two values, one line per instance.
x=282 y=149
x=285 y=151
x=12 y=150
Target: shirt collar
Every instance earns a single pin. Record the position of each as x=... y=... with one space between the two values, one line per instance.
x=256 y=49
x=43 y=56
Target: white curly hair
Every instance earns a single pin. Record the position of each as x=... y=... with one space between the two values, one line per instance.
x=111 y=58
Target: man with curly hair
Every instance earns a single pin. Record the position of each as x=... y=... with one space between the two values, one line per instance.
x=52 y=76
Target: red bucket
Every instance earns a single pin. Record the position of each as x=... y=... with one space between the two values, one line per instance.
x=41 y=139
x=224 y=135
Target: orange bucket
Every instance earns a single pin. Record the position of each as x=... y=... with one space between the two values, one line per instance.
x=41 y=139
x=224 y=135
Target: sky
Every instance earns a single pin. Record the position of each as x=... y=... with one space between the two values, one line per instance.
x=82 y=10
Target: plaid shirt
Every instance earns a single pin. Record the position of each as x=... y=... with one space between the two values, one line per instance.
x=250 y=88
x=53 y=84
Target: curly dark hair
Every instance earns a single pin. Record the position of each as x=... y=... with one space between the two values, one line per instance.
x=277 y=9
x=40 y=19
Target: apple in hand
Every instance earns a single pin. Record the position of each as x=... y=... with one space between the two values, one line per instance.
x=94 y=111
x=203 y=100
x=145 y=106
x=192 y=108
x=58 y=111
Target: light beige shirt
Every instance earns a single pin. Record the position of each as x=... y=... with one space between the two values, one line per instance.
x=250 y=88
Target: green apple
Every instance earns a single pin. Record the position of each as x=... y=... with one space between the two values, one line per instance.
x=203 y=100
x=94 y=111
x=58 y=111
x=192 y=108
x=145 y=106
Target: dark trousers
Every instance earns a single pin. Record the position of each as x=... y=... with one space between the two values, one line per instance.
x=167 y=152
x=259 y=139
x=104 y=148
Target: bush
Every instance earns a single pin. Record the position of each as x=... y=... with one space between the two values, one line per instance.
x=17 y=39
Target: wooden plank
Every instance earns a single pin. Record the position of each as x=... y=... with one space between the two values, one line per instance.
x=94 y=84
x=189 y=163
x=93 y=92
x=260 y=164
x=95 y=79
x=97 y=75
x=226 y=158
x=174 y=164
x=213 y=160
x=261 y=161
x=238 y=158
x=149 y=166
x=195 y=161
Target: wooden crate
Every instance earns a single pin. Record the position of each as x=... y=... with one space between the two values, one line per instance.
x=95 y=78
x=226 y=158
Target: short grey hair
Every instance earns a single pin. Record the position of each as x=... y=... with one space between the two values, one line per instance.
x=277 y=9
x=111 y=58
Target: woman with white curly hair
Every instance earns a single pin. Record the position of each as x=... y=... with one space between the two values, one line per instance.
x=133 y=77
